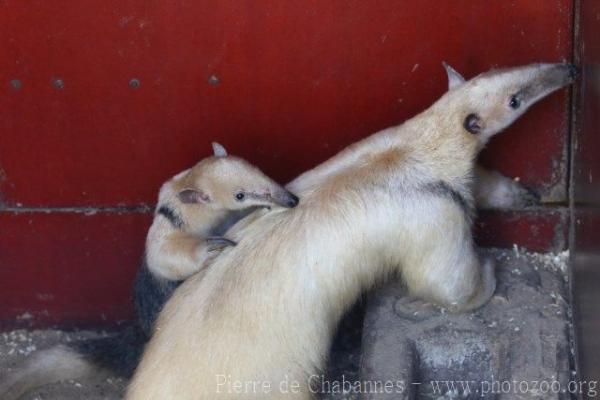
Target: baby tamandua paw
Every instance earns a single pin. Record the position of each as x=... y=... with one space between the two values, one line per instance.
x=217 y=243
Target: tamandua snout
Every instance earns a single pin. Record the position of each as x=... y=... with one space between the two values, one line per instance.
x=497 y=98
x=500 y=97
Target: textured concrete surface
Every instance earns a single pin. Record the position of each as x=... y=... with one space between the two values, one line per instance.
x=515 y=347
x=522 y=334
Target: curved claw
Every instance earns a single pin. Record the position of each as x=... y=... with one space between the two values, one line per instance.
x=219 y=243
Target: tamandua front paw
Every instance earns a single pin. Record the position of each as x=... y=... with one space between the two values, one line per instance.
x=496 y=191
x=509 y=194
x=483 y=292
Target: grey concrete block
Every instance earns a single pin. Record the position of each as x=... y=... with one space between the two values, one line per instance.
x=515 y=347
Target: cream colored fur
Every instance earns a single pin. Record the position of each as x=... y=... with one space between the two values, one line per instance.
x=265 y=311
x=176 y=253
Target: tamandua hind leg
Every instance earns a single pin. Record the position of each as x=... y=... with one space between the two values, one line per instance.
x=492 y=190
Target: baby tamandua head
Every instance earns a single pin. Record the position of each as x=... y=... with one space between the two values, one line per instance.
x=196 y=206
x=201 y=196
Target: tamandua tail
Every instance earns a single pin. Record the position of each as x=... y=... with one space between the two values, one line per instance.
x=85 y=359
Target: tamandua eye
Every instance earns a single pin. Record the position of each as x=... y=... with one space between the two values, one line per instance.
x=240 y=196
x=514 y=102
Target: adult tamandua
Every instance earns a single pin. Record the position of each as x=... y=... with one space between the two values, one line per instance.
x=259 y=323
x=195 y=208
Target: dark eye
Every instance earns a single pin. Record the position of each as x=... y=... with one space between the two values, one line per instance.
x=514 y=103
x=240 y=196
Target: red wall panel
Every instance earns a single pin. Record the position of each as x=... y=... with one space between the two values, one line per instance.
x=285 y=84
x=64 y=267
x=297 y=82
x=57 y=267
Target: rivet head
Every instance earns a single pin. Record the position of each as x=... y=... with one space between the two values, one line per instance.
x=214 y=80
x=16 y=84
x=134 y=83
x=58 y=83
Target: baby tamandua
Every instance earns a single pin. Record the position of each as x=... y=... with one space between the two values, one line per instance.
x=194 y=209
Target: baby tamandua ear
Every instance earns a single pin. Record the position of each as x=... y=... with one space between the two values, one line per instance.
x=193 y=196
x=219 y=150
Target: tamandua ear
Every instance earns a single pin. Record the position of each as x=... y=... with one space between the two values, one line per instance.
x=219 y=150
x=473 y=124
x=454 y=78
x=193 y=196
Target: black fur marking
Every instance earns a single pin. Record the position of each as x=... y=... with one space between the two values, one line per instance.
x=230 y=219
x=171 y=215
x=444 y=189
x=119 y=352
x=122 y=351
x=149 y=296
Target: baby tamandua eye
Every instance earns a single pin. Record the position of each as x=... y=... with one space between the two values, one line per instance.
x=240 y=196
x=515 y=102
